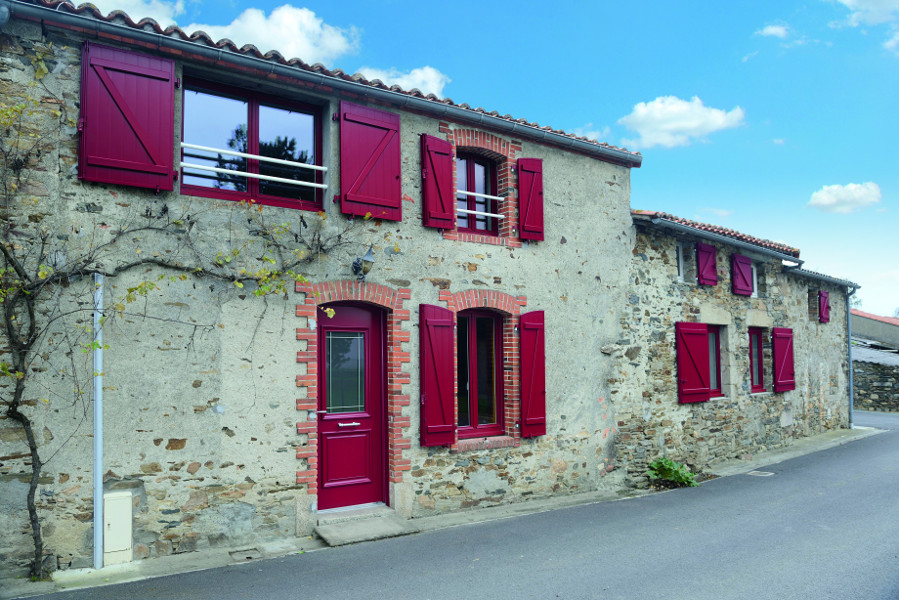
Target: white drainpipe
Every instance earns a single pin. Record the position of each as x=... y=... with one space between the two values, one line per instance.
x=98 y=421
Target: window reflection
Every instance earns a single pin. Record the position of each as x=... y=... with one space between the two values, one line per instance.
x=215 y=122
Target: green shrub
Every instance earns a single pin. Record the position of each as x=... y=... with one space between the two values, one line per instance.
x=673 y=472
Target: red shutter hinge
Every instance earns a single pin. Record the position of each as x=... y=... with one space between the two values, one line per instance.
x=335 y=117
x=177 y=83
x=81 y=124
x=175 y=176
x=424 y=173
x=336 y=198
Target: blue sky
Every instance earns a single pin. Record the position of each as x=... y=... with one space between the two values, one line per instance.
x=776 y=118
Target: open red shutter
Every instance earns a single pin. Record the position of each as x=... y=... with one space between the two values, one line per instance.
x=437 y=196
x=127 y=118
x=437 y=338
x=823 y=307
x=530 y=198
x=692 y=362
x=782 y=349
x=370 y=162
x=741 y=274
x=707 y=264
x=533 y=374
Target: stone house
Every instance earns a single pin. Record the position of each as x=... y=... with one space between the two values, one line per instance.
x=875 y=361
x=514 y=331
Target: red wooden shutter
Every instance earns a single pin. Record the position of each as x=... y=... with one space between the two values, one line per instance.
x=707 y=264
x=692 y=343
x=370 y=162
x=824 y=307
x=437 y=195
x=741 y=274
x=530 y=198
x=127 y=118
x=782 y=349
x=437 y=339
x=533 y=374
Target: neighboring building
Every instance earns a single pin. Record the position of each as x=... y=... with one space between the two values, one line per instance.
x=876 y=375
x=875 y=327
x=521 y=333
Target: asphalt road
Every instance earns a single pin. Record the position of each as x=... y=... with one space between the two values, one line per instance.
x=822 y=526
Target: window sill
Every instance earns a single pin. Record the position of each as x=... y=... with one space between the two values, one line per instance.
x=483 y=443
x=761 y=393
x=480 y=238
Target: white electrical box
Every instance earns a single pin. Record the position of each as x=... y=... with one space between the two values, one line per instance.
x=117 y=516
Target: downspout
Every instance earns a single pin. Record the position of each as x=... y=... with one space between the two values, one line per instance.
x=851 y=370
x=98 y=421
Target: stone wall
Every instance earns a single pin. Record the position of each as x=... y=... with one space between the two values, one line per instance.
x=876 y=386
x=653 y=423
x=206 y=387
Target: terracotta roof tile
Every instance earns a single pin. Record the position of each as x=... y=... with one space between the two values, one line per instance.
x=761 y=242
x=201 y=37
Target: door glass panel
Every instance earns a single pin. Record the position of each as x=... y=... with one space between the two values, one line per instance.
x=713 y=360
x=756 y=356
x=345 y=368
x=216 y=122
x=286 y=135
x=462 y=361
x=486 y=365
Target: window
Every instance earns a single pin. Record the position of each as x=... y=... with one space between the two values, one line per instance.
x=756 y=361
x=699 y=367
x=476 y=195
x=479 y=389
x=714 y=361
x=755 y=281
x=686 y=268
x=226 y=132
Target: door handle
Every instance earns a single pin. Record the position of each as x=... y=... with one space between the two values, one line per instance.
x=350 y=424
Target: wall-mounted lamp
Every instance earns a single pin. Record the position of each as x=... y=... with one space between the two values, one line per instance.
x=362 y=265
x=4 y=15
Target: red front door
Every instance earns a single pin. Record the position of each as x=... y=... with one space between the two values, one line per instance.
x=351 y=455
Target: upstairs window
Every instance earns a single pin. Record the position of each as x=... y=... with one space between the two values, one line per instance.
x=241 y=146
x=686 y=266
x=477 y=205
x=714 y=361
x=479 y=376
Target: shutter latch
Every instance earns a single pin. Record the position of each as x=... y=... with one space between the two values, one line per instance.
x=81 y=124
x=335 y=117
x=424 y=173
x=177 y=83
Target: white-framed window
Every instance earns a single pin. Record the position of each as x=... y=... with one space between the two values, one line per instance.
x=686 y=262
x=755 y=281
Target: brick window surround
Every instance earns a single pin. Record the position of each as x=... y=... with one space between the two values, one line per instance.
x=503 y=154
x=310 y=296
x=510 y=308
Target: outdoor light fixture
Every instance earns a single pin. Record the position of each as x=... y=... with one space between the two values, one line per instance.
x=362 y=265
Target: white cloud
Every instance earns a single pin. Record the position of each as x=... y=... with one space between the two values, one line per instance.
x=779 y=141
x=669 y=121
x=427 y=79
x=778 y=31
x=750 y=56
x=844 y=199
x=160 y=11
x=294 y=32
x=870 y=12
x=592 y=132
x=892 y=44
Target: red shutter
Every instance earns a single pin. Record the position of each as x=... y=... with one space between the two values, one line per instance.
x=438 y=397
x=782 y=349
x=533 y=374
x=824 y=307
x=127 y=118
x=707 y=264
x=370 y=162
x=437 y=195
x=741 y=274
x=530 y=198
x=692 y=362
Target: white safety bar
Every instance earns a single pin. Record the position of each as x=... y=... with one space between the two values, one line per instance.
x=478 y=212
x=488 y=196
x=279 y=161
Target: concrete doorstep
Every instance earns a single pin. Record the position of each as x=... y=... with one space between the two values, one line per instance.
x=338 y=528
